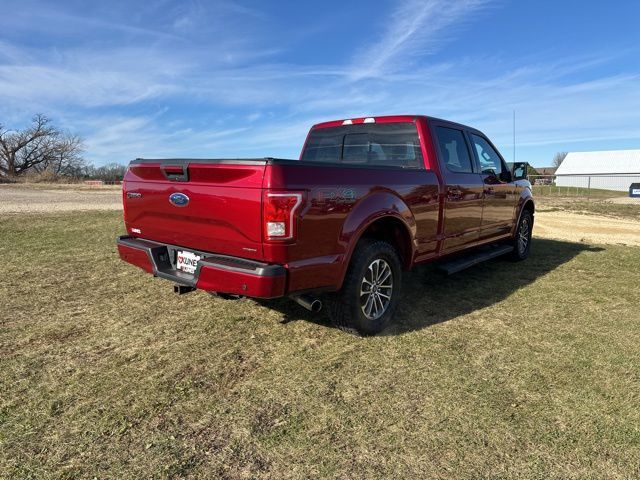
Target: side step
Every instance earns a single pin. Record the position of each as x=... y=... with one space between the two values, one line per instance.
x=482 y=254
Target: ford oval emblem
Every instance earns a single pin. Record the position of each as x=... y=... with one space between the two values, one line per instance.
x=178 y=199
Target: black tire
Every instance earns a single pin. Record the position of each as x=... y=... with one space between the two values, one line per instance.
x=346 y=307
x=522 y=240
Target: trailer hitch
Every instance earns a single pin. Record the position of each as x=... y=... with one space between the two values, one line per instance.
x=182 y=289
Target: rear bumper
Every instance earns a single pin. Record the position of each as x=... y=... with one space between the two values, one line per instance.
x=215 y=273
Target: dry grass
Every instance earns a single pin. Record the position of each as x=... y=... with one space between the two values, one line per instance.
x=605 y=207
x=504 y=371
x=610 y=203
x=540 y=191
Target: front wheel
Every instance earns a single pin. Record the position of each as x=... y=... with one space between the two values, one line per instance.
x=371 y=289
x=522 y=240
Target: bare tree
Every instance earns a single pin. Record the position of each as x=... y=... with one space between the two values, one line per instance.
x=111 y=172
x=39 y=147
x=65 y=157
x=558 y=158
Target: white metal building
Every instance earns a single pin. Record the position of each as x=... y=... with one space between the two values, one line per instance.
x=610 y=170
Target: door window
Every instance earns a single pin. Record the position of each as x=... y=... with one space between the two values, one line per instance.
x=490 y=161
x=453 y=150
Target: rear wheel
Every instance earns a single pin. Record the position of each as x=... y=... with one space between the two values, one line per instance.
x=371 y=289
x=522 y=240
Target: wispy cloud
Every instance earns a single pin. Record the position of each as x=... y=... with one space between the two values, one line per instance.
x=416 y=28
x=213 y=91
x=88 y=79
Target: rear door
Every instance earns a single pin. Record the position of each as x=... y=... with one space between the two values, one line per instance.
x=500 y=196
x=464 y=188
x=213 y=205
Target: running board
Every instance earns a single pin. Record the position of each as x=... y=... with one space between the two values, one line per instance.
x=481 y=255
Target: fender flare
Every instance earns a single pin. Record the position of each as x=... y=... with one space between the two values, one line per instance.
x=525 y=200
x=372 y=208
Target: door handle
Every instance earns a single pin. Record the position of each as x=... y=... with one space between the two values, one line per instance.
x=488 y=190
x=176 y=173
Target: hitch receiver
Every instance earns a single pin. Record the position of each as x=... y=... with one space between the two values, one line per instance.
x=182 y=289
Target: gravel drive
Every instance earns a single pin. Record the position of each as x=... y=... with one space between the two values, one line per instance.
x=17 y=199
x=576 y=227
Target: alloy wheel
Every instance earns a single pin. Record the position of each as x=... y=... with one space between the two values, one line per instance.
x=523 y=236
x=376 y=289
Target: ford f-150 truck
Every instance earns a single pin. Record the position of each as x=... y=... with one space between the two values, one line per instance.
x=368 y=199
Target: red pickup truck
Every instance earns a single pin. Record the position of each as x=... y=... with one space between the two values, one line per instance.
x=368 y=199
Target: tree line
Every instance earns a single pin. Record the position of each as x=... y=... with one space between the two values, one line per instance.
x=43 y=149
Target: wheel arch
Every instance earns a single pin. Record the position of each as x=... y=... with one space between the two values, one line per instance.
x=526 y=204
x=394 y=231
x=385 y=217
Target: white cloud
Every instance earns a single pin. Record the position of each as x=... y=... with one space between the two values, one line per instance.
x=416 y=28
x=550 y=109
x=229 y=98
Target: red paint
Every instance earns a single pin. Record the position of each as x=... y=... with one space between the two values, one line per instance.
x=226 y=213
x=223 y=214
x=136 y=257
x=217 y=280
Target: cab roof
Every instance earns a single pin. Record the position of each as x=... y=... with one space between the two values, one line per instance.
x=387 y=119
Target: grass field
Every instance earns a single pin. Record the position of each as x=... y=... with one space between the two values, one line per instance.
x=527 y=370
x=585 y=201
x=553 y=190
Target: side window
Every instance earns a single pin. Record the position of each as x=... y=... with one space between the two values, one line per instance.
x=490 y=161
x=453 y=150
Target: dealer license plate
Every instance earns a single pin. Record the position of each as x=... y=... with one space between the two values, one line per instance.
x=187 y=261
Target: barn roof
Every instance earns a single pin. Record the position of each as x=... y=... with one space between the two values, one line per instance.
x=615 y=162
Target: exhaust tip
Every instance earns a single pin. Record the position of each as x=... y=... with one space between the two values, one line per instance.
x=316 y=306
x=309 y=302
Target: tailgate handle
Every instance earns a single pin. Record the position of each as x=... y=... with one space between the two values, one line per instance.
x=176 y=173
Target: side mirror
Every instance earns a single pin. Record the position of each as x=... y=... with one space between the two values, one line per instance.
x=506 y=177
x=519 y=171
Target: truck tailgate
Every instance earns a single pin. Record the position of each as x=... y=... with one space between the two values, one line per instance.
x=209 y=205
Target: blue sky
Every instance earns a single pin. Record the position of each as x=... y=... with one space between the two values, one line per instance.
x=247 y=78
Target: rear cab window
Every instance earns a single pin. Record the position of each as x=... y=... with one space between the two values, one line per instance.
x=380 y=144
x=453 y=150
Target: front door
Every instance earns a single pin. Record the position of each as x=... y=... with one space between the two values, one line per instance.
x=464 y=190
x=500 y=197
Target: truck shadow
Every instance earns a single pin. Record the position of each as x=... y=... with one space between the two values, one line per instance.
x=430 y=297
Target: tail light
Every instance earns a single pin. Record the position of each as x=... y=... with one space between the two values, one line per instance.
x=124 y=202
x=123 y=186
x=279 y=214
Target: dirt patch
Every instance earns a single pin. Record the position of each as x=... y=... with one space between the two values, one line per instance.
x=15 y=199
x=626 y=201
x=587 y=228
